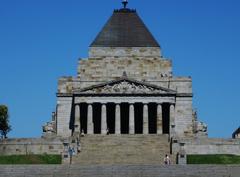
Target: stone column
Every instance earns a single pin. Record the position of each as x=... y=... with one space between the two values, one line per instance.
x=104 y=119
x=131 y=119
x=117 y=119
x=145 y=119
x=159 y=119
x=90 y=120
x=172 y=119
x=77 y=123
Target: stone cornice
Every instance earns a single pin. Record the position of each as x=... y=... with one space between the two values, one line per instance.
x=123 y=95
x=184 y=95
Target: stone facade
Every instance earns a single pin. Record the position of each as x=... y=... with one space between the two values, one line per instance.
x=149 y=68
x=122 y=75
x=126 y=86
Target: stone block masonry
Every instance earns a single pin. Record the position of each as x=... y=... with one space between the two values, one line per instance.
x=25 y=146
x=207 y=146
x=111 y=68
x=64 y=108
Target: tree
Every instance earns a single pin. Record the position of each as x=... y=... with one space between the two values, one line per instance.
x=5 y=127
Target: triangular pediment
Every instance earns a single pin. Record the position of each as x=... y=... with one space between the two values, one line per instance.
x=125 y=86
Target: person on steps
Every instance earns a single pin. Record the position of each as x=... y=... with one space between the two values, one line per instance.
x=167 y=160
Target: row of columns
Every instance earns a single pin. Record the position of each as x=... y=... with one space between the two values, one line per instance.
x=90 y=126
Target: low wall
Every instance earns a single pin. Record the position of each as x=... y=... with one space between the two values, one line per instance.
x=207 y=146
x=23 y=146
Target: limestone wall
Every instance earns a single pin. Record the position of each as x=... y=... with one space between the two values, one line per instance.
x=142 y=64
x=208 y=146
x=181 y=84
x=30 y=146
x=110 y=68
x=154 y=70
x=64 y=110
x=183 y=116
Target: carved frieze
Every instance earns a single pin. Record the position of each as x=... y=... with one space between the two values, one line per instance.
x=125 y=87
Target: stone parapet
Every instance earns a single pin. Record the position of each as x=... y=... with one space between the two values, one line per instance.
x=24 y=146
x=207 y=146
x=95 y=52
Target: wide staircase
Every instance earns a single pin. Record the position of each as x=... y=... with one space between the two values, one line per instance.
x=119 y=171
x=123 y=149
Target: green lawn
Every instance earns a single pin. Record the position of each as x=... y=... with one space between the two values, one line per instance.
x=213 y=159
x=31 y=159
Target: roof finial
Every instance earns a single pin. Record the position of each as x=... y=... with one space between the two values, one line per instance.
x=125 y=2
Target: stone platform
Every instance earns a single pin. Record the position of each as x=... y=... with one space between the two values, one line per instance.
x=119 y=171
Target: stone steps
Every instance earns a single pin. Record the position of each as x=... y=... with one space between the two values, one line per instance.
x=119 y=171
x=122 y=149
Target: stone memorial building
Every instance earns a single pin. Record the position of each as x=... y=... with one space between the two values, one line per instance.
x=125 y=86
x=125 y=106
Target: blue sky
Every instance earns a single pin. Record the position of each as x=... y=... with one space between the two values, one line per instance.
x=41 y=40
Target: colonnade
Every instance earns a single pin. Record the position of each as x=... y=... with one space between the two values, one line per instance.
x=131 y=123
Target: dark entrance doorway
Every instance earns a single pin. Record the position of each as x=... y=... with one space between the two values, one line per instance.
x=111 y=117
x=83 y=117
x=166 y=118
x=152 y=116
x=138 y=118
x=124 y=118
x=97 y=110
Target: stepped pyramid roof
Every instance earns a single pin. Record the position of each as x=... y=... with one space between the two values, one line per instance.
x=125 y=29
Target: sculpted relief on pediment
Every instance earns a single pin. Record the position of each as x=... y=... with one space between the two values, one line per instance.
x=125 y=87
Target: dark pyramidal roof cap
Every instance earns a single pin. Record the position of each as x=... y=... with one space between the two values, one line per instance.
x=125 y=29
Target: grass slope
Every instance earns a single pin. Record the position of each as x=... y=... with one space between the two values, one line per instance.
x=213 y=159
x=31 y=159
